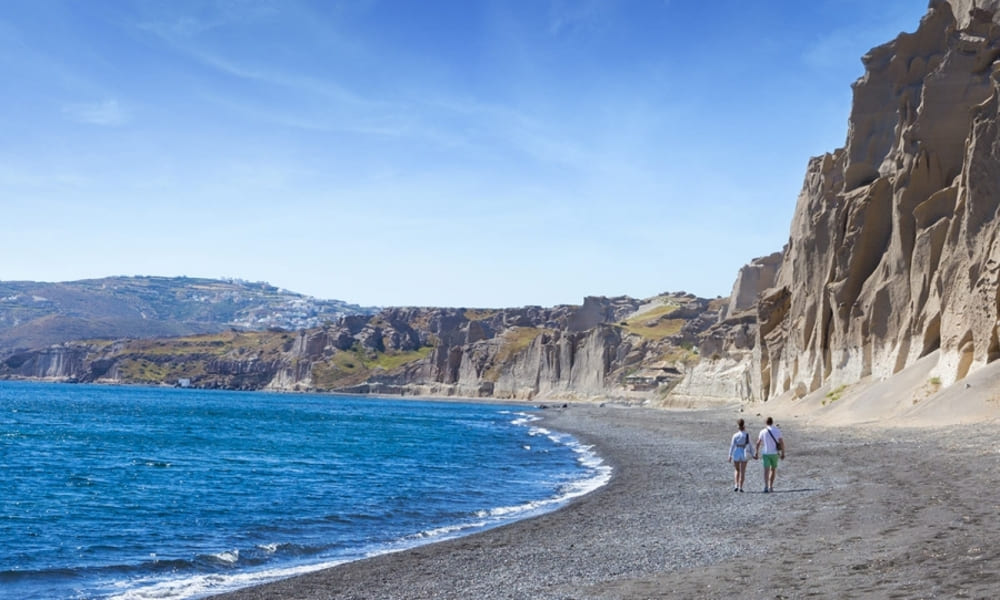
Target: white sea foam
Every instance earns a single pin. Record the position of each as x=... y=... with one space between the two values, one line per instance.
x=598 y=475
x=523 y=418
x=229 y=557
x=541 y=431
x=200 y=586
x=449 y=531
x=508 y=511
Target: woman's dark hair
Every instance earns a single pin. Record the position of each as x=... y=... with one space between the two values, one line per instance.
x=740 y=423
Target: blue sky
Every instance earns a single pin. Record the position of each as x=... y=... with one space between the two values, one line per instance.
x=437 y=153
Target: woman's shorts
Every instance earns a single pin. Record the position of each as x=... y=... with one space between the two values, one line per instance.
x=739 y=454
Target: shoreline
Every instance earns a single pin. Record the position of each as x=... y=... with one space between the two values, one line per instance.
x=860 y=509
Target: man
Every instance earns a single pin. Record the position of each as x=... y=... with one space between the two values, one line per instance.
x=774 y=447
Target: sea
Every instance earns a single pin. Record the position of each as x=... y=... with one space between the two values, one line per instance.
x=133 y=493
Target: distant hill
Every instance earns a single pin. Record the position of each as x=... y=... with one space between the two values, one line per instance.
x=35 y=314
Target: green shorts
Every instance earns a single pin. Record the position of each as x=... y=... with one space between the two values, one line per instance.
x=770 y=461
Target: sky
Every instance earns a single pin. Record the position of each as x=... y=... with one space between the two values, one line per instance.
x=464 y=153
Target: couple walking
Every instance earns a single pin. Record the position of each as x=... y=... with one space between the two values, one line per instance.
x=740 y=451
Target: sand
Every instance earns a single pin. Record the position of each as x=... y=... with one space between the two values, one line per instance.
x=858 y=511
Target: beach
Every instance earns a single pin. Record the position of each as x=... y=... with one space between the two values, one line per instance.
x=857 y=511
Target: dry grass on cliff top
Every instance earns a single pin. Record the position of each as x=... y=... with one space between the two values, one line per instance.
x=914 y=397
x=514 y=341
x=654 y=324
x=351 y=367
x=212 y=344
x=159 y=361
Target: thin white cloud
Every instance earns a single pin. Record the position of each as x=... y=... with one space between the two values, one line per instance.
x=215 y=15
x=491 y=123
x=106 y=113
x=567 y=16
x=181 y=34
x=344 y=109
x=443 y=118
x=297 y=83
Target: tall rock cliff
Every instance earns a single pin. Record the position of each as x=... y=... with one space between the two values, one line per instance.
x=729 y=365
x=617 y=348
x=893 y=259
x=893 y=252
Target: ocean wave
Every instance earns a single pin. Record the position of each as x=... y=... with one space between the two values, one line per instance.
x=227 y=558
x=269 y=548
x=523 y=418
x=195 y=586
x=597 y=474
x=254 y=561
x=536 y=431
x=317 y=505
x=151 y=462
x=447 y=531
x=226 y=571
x=163 y=569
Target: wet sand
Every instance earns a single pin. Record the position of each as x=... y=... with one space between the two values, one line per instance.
x=857 y=512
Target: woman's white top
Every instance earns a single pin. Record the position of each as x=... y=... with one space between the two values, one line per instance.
x=739 y=447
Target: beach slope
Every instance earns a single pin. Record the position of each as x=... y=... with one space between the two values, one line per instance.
x=857 y=511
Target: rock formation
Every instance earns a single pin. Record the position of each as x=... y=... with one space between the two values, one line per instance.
x=752 y=279
x=893 y=251
x=604 y=348
x=729 y=365
x=893 y=257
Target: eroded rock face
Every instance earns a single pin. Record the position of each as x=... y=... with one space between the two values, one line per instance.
x=729 y=368
x=607 y=348
x=893 y=249
x=753 y=279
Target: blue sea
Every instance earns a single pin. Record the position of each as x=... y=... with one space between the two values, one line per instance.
x=134 y=493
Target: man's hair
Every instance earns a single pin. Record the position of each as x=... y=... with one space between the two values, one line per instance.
x=770 y=421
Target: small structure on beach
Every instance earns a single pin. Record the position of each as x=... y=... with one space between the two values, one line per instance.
x=652 y=377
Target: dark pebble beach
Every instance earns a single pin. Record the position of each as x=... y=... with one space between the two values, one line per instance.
x=857 y=512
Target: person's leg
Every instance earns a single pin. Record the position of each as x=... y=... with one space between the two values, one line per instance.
x=742 y=474
x=736 y=475
x=770 y=470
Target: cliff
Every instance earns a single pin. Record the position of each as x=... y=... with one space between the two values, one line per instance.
x=618 y=348
x=891 y=273
x=729 y=369
x=893 y=256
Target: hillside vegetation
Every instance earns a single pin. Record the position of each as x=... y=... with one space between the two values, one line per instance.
x=605 y=346
x=36 y=314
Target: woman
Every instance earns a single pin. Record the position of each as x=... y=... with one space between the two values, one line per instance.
x=740 y=451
